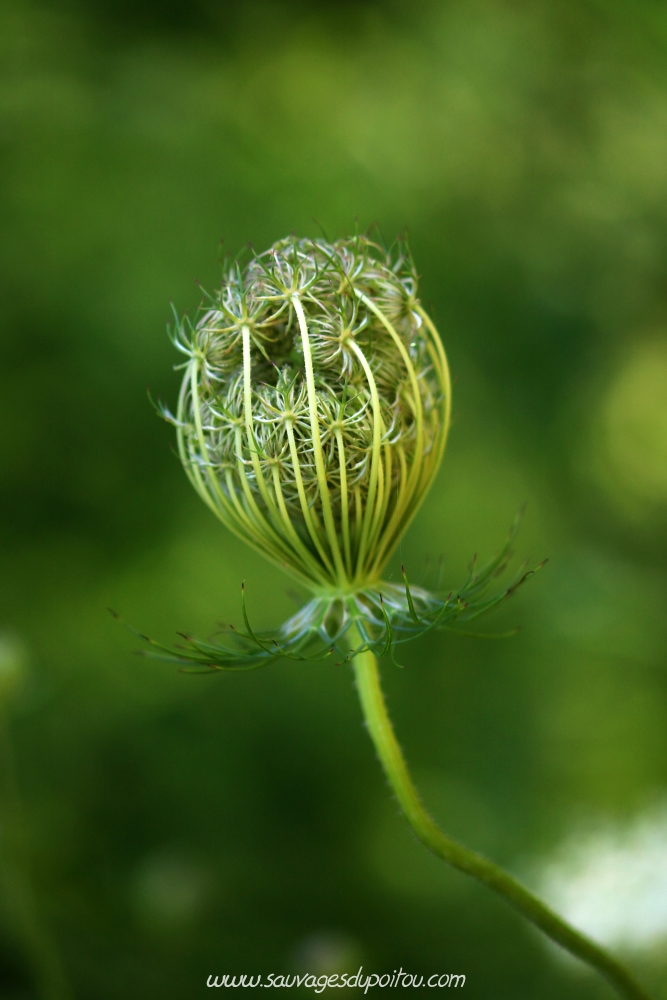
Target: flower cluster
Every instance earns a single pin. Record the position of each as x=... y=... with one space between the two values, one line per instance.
x=315 y=405
x=312 y=419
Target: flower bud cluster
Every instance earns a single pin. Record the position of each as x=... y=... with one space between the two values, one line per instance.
x=315 y=404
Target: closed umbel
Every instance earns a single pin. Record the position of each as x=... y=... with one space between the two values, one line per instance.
x=315 y=405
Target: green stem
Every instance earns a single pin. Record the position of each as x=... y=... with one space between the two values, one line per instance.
x=40 y=948
x=392 y=760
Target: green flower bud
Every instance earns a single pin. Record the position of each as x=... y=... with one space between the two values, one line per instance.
x=315 y=406
x=312 y=419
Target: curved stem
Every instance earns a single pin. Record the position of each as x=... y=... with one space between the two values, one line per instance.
x=392 y=760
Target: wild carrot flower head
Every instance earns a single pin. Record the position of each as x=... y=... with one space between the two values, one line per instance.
x=315 y=405
x=312 y=419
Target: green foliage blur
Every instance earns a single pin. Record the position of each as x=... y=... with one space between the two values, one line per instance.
x=159 y=828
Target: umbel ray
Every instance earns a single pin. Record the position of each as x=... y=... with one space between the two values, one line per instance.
x=312 y=419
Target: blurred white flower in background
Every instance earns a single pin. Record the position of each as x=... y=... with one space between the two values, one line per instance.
x=612 y=882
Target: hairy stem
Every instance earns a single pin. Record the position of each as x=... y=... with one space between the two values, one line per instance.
x=392 y=760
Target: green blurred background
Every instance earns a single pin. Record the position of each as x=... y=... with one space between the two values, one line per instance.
x=170 y=827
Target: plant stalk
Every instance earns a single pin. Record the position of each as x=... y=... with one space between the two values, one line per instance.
x=38 y=945
x=381 y=732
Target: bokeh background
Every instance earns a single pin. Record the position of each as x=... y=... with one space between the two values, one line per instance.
x=158 y=828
